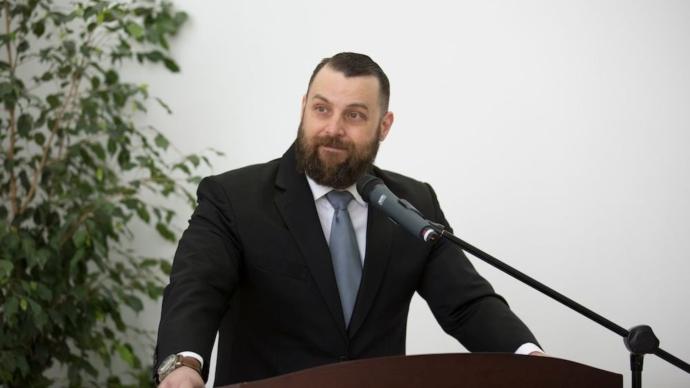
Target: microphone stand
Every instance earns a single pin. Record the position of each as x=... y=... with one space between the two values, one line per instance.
x=639 y=340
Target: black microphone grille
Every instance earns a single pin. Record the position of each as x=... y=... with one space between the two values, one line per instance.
x=365 y=184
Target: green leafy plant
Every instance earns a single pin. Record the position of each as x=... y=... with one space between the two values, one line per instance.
x=76 y=169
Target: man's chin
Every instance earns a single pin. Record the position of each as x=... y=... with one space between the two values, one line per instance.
x=332 y=158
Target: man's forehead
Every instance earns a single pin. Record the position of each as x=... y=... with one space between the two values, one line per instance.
x=334 y=86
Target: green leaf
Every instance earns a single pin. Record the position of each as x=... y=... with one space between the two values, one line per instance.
x=10 y=309
x=53 y=100
x=161 y=141
x=95 y=82
x=42 y=257
x=39 y=138
x=154 y=291
x=38 y=258
x=164 y=105
x=194 y=159
x=25 y=124
x=23 y=304
x=112 y=146
x=155 y=56
x=119 y=98
x=148 y=262
x=47 y=76
x=80 y=237
x=44 y=292
x=70 y=47
x=166 y=267
x=171 y=65
x=131 y=203
x=111 y=77
x=38 y=28
x=64 y=71
x=6 y=268
x=39 y=315
x=165 y=232
x=135 y=30
x=183 y=167
x=28 y=247
x=97 y=149
x=143 y=214
x=6 y=88
x=133 y=302
x=23 y=46
x=22 y=365
x=77 y=259
x=126 y=354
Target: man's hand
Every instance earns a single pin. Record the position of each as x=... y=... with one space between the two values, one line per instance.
x=182 y=377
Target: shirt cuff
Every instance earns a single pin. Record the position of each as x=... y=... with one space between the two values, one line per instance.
x=194 y=355
x=528 y=348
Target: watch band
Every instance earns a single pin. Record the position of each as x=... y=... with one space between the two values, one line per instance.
x=175 y=361
x=189 y=362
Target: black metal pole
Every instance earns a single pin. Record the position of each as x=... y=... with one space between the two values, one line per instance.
x=639 y=340
x=636 y=361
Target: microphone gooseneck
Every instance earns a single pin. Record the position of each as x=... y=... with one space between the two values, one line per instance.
x=400 y=211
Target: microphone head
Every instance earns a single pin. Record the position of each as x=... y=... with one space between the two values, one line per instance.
x=365 y=185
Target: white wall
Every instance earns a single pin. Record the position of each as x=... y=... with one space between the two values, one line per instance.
x=555 y=133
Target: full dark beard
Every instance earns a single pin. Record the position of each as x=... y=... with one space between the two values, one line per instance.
x=336 y=175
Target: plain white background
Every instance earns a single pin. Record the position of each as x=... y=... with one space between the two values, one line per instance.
x=555 y=133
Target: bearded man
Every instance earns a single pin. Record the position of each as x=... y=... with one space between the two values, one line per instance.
x=290 y=265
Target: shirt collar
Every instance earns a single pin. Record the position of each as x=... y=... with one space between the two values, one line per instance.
x=320 y=191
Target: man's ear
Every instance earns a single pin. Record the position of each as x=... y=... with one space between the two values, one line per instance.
x=386 y=124
x=304 y=102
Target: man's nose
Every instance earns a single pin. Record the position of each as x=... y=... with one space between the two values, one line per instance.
x=335 y=126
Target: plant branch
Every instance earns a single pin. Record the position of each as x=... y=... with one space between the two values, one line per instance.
x=12 y=125
x=74 y=86
x=70 y=95
x=88 y=212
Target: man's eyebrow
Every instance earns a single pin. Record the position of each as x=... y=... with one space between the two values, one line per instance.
x=320 y=97
x=353 y=105
x=358 y=105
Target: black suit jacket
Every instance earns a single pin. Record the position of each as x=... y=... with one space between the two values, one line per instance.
x=255 y=264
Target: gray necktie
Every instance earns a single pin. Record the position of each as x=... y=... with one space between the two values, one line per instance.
x=344 y=252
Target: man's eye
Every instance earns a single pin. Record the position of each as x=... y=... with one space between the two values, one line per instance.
x=320 y=109
x=354 y=115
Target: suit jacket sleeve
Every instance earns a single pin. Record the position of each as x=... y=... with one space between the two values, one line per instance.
x=464 y=303
x=204 y=274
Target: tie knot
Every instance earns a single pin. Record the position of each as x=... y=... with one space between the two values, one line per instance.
x=339 y=199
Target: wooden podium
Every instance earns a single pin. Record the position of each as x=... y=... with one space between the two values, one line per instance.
x=465 y=370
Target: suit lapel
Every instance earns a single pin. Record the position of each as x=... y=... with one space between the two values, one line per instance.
x=377 y=256
x=295 y=202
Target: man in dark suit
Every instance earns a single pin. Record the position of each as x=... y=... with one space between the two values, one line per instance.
x=259 y=260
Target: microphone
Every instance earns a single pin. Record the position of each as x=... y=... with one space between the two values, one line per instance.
x=375 y=192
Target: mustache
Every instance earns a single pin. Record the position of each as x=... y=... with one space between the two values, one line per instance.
x=333 y=141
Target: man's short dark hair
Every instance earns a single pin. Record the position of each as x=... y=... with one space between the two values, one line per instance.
x=357 y=65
